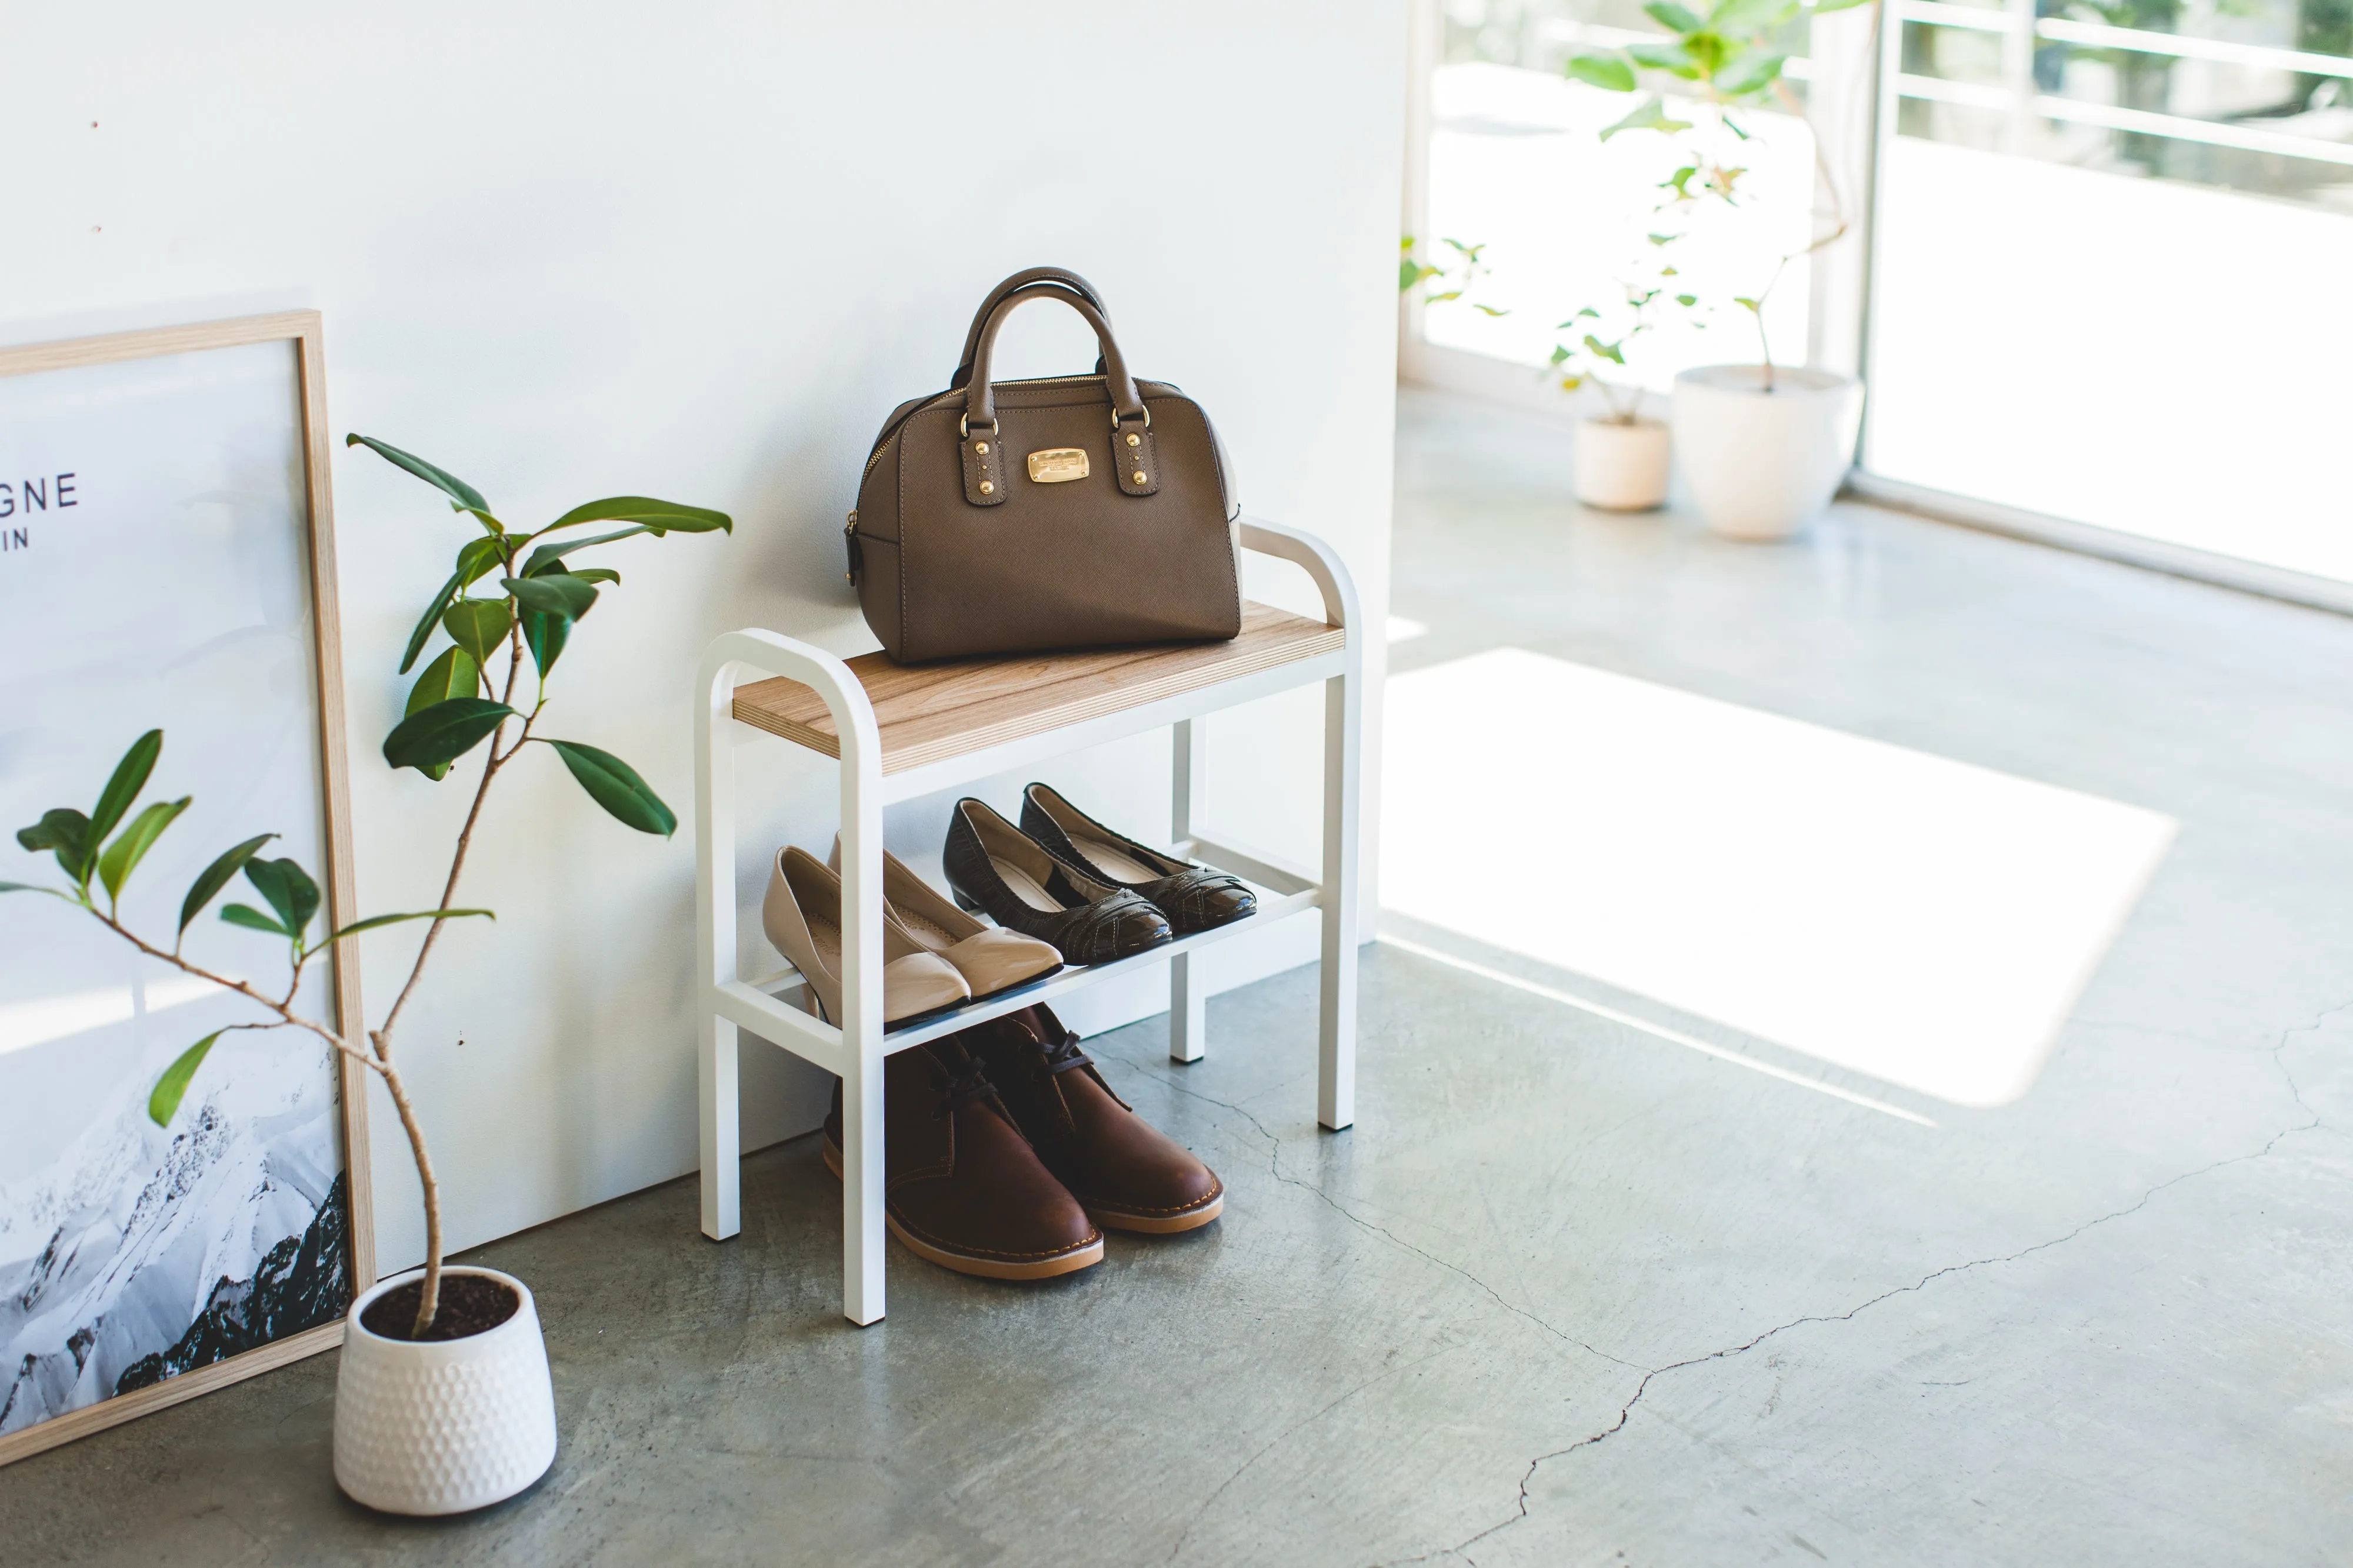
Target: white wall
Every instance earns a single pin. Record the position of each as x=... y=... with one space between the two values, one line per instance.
x=699 y=252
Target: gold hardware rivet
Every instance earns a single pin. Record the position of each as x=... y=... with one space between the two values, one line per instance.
x=981 y=446
x=1139 y=476
x=986 y=489
x=1135 y=440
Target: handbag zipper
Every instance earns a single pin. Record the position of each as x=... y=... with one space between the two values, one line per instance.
x=882 y=442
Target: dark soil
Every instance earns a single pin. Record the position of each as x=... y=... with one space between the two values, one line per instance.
x=471 y=1304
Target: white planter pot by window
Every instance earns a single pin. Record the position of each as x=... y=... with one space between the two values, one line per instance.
x=1763 y=465
x=448 y=1425
x=1621 y=467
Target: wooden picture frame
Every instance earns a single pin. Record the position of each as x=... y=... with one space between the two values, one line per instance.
x=302 y=331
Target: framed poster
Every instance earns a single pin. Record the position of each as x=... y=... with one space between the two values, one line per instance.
x=167 y=562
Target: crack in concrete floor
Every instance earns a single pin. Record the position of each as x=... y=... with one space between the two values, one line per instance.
x=1626 y=1411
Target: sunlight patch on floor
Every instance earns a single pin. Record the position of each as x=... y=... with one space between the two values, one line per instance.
x=1924 y=921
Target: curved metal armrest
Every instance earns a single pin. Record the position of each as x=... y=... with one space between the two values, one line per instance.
x=1322 y=561
x=773 y=654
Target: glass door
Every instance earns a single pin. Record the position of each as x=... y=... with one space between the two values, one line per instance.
x=2112 y=267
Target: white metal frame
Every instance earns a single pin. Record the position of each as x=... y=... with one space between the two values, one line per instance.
x=727 y=1001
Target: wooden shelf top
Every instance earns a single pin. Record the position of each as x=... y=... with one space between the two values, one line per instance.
x=929 y=712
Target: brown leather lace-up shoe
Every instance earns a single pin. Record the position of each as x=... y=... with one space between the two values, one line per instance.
x=961 y=1187
x=1129 y=1174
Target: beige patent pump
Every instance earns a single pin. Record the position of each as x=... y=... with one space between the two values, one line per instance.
x=802 y=916
x=991 y=959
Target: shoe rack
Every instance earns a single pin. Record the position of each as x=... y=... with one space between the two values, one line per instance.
x=899 y=732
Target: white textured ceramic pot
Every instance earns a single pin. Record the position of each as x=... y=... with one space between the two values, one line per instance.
x=444 y=1425
x=1760 y=464
x=1622 y=465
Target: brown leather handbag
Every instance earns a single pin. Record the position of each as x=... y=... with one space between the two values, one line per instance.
x=1021 y=516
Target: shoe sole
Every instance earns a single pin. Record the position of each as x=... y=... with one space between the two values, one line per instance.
x=1070 y=1262
x=1159 y=1224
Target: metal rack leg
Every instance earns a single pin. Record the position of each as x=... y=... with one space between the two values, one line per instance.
x=1187 y=1014
x=715 y=942
x=1336 y=1041
x=861 y=1188
x=722 y=1152
x=863 y=1170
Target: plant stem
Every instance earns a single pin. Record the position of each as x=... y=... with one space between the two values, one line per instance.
x=287 y=1016
x=428 y=1303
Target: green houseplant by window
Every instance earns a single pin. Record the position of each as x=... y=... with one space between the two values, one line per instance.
x=1763 y=445
x=507 y=612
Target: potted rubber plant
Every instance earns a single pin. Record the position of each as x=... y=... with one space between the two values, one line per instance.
x=1763 y=445
x=1621 y=455
x=443 y=1398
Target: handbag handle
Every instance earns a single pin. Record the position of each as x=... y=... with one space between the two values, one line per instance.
x=985 y=471
x=980 y=396
x=1059 y=275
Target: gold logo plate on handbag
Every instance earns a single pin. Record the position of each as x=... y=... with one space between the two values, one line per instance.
x=1058 y=465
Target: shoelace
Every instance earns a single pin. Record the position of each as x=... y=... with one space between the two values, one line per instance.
x=1061 y=1055
x=966 y=1085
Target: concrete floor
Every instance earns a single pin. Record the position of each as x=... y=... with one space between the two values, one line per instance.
x=1567 y=1293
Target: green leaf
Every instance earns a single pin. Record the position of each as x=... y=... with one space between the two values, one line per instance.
x=1606 y=351
x=443 y=732
x=466 y=496
x=29 y=888
x=130 y=846
x=66 y=832
x=289 y=890
x=1664 y=238
x=606 y=574
x=551 y=593
x=216 y=876
x=475 y=559
x=431 y=618
x=164 y=1102
x=130 y=778
x=1743 y=300
x=1651 y=116
x=1686 y=300
x=1609 y=71
x=614 y=785
x=454 y=674
x=1752 y=76
x=1488 y=310
x=1674 y=18
x=546 y=558
x=1746 y=18
x=546 y=636
x=246 y=915
x=373 y=921
x=1671 y=58
x=477 y=625
x=659 y=516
